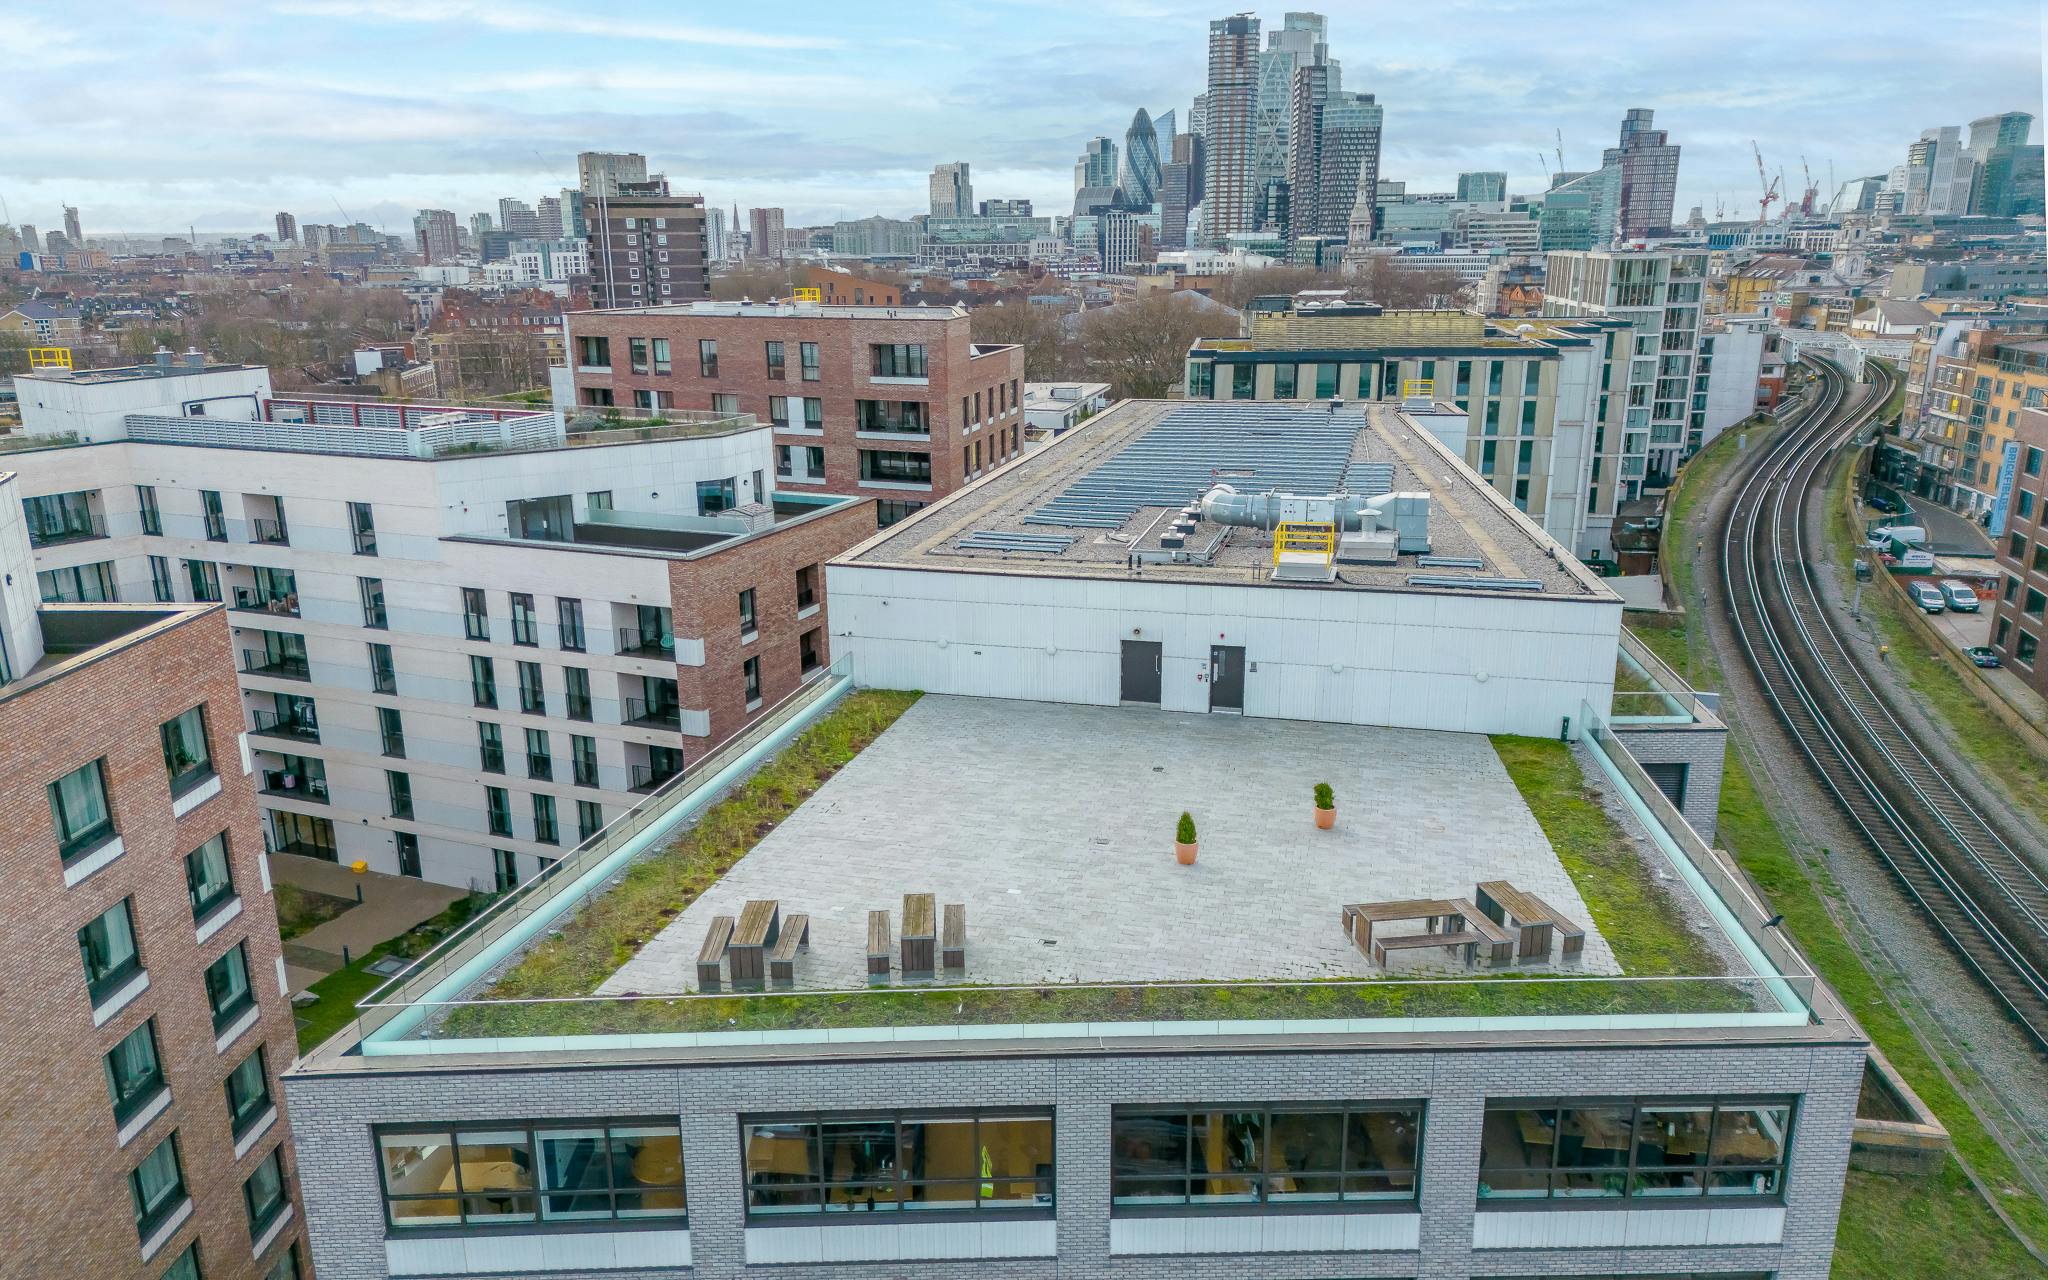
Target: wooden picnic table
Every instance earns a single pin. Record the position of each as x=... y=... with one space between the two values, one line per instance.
x=1532 y=916
x=1360 y=917
x=758 y=929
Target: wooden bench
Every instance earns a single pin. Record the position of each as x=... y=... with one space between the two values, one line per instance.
x=1418 y=941
x=1535 y=918
x=712 y=952
x=920 y=932
x=953 y=938
x=795 y=936
x=878 y=948
x=758 y=930
x=1500 y=944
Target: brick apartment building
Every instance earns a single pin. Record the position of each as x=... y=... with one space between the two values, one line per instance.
x=843 y=288
x=894 y=403
x=146 y=1020
x=2019 y=623
x=646 y=246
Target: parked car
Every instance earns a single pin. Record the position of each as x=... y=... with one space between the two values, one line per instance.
x=1982 y=656
x=1926 y=595
x=1960 y=596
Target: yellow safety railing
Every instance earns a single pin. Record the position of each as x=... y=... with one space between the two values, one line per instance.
x=806 y=295
x=49 y=357
x=1424 y=388
x=1314 y=538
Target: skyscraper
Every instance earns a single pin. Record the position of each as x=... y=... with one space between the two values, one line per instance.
x=287 y=228
x=1198 y=116
x=1139 y=176
x=952 y=191
x=765 y=226
x=72 y=232
x=1301 y=42
x=1097 y=165
x=1231 y=187
x=1649 y=175
x=714 y=234
x=599 y=173
x=1334 y=147
x=517 y=217
x=434 y=229
x=550 y=216
x=1940 y=173
x=1485 y=188
x=2008 y=171
x=480 y=225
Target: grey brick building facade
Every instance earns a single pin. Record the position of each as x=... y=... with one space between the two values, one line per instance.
x=336 y=1101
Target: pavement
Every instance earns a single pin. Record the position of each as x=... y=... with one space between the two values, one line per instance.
x=1054 y=825
x=1947 y=532
x=1967 y=631
x=390 y=905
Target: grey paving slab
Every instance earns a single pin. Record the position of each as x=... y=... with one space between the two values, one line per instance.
x=1054 y=825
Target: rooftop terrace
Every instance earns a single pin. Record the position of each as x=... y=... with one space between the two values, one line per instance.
x=1053 y=825
x=1475 y=535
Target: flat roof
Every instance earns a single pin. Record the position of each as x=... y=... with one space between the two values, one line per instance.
x=1468 y=519
x=77 y=635
x=783 y=310
x=1063 y=858
x=131 y=373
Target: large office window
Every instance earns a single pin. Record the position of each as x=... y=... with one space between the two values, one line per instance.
x=78 y=810
x=1285 y=1155
x=561 y=1171
x=156 y=1187
x=248 y=1092
x=263 y=1194
x=208 y=881
x=227 y=986
x=1633 y=1148
x=952 y=1162
x=106 y=946
x=135 y=1075
x=186 y=756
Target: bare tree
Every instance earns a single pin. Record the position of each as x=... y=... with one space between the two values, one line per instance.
x=1140 y=348
x=759 y=281
x=1048 y=348
x=1238 y=288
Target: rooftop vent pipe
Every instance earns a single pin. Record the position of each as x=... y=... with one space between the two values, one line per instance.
x=1404 y=514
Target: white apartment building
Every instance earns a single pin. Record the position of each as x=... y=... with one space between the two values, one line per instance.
x=468 y=639
x=1661 y=293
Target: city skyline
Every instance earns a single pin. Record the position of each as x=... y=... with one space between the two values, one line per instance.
x=473 y=103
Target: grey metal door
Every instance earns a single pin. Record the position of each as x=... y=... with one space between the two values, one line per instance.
x=1226 y=677
x=1141 y=671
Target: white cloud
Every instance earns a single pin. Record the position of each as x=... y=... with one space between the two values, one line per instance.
x=561 y=20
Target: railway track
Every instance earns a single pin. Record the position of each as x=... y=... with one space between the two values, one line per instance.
x=1985 y=899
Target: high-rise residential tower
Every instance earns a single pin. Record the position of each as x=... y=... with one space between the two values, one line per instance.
x=435 y=232
x=72 y=231
x=550 y=216
x=599 y=173
x=1334 y=146
x=952 y=191
x=765 y=226
x=287 y=228
x=1139 y=176
x=1231 y=187
x=1649 y=175
x=518 y=217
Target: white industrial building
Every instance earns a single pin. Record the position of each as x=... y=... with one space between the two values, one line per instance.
x=468 y=639
x=1072 y=576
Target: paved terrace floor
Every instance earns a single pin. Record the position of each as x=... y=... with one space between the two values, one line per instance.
x=1054 y=825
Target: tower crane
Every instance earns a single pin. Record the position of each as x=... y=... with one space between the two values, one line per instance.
x=1764 y=180
x=1806 y=199
x=1560 y=149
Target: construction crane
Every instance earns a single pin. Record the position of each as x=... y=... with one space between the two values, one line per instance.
x=1560 y=150
x=1764 y=180
x=1806 y=198
x=1545 y=162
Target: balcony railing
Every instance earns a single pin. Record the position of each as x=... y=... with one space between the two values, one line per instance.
x=646 y=777
x=283 y=666
x=252 y=600
x=80 y=526
x=303 y=725
x=293 y=785
x=658 y=715
x=634 y=643
x=269 y=532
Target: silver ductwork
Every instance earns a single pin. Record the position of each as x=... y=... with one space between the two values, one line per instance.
x=1405 y=515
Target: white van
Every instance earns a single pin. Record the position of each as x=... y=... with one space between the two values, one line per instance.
x=1926 y=596
x=1960 y=596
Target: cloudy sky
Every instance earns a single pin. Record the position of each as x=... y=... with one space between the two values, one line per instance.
x=152 y=117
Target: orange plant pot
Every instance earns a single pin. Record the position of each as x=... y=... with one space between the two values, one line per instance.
x=1184 y=853
x=1326 y=818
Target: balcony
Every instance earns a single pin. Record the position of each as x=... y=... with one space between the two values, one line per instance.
x=278 y=604
x=635 y=643
x=74 y=526
x=295 y=784
x=281 y=665
x=270 y=533
x=641 y=714
x=301 y=725
x=647 y=778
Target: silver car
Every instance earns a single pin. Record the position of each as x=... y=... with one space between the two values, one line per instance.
x=1926 y=596
x=1960 y=596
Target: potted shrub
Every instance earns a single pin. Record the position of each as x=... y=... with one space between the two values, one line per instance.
x=1184 y=841
x=1326 y=806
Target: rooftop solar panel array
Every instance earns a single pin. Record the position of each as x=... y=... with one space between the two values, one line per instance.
x=1032 y=543
x=1252 y=448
